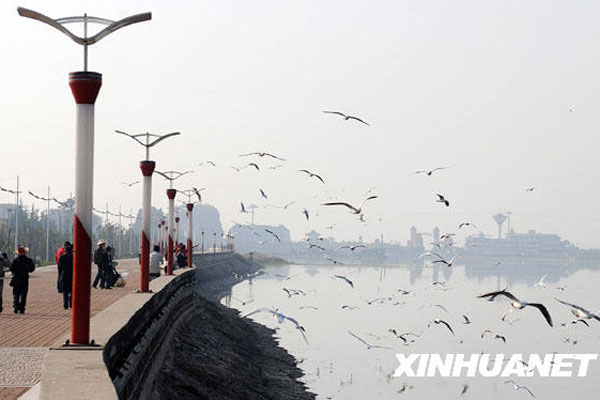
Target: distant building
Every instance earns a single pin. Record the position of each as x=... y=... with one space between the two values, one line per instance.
x=416 y=239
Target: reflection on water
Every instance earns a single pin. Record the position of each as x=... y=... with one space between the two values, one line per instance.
x=339 y=366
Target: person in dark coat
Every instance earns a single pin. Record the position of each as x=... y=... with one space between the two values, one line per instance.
x=21 y=267
x=65 y=272
x=181 y=257
x=101 y=260
x=59 y=253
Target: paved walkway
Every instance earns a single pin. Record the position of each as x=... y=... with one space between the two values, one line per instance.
x=25 y=338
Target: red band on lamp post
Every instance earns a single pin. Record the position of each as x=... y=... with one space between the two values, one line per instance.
x=85 y=86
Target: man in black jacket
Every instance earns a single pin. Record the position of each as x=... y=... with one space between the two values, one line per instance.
x=65 y=272
x=21 y=267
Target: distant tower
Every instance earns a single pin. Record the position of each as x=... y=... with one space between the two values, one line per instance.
x=436 y=234
x=413 y=237
x=500 y=218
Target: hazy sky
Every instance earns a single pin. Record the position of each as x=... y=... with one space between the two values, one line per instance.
x=483 y=87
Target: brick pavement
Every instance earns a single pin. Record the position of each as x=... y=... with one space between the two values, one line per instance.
x=45 y=321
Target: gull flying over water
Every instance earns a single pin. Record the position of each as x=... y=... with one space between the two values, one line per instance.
x=311 y=175
x=531 y=189
x=261 y=154
x=353 y=209
x=243 y=209
x=428 y=173
x=541 y=282
x=440 y=321
x=496 y=336
x=352 y=248
x=333 y=261
x=443 y=261
x=442 y=199
x=254 y=165
x=519 y=304
x=466 y=319
x=262 y=193
x=348 y=281
x=311 y=245
x=369 y=346
x=519 y=387
x=281 y=318
x=346 y=116
x=207 y=162
x=580 y=312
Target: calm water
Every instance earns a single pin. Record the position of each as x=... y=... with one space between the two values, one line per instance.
x=339 y=366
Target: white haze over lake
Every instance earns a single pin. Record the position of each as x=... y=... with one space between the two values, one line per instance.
x=505 y=92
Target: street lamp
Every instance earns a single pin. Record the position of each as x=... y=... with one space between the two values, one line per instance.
x=171 y=176
x=85 y=87
x=190 y=216
x=147 y=168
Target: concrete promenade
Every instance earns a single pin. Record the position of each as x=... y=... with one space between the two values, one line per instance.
x=26 y=338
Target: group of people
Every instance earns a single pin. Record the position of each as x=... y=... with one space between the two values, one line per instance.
x=107 y=275
x=156 y=260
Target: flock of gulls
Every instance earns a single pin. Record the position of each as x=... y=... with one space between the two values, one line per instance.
x=582 y=315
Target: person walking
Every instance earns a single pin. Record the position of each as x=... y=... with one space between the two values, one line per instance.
x=65 y=272
x=101 y=261
x=155 y=260
x=59 y=253
x=21 y=267
x=4 y=266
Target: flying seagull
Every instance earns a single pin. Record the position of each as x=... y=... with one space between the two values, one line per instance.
x=352 y=248
x=256 y=153
x=519 y=387
x=442 y=199
x=346 y=116
x=333 y=261
x=541 y=282
x=442 y=260
x=130 y=184
x=348 y=281
x=254 y=165
x=315 y=245
x=519 y=304
x=310 y=174
x=207 y=162
x=466 y=319
x=197 y=192
x=262 y=193
x=496 y=336
x=243 y=209
x=369 y=346
x=305 y=212
x=353 y=209
x=281 y=318
x=531 y=189
x=430 y=171
x=580 y=312
x=466 y=224
x=440 y=321
x=274 y=234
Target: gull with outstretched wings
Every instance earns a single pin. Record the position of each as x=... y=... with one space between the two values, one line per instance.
x=353 y=210
x=346 y=116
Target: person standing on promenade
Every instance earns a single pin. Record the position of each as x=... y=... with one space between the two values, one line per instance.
x=21 y=267
x=4 y=266
x=101 y=261
x=65 y=273
x=59 y=253
x=155 y=260
x=182 y=257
